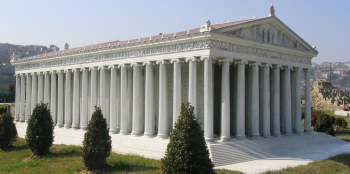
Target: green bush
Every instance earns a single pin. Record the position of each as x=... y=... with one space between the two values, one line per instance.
x=39 y=135
x=332 y=119
x=187 y=151
x=338 y=121
x=3 y=109
x=324 y=124
x=314 y=116
x=344 y=123
x=97 y=143
x=8 y=131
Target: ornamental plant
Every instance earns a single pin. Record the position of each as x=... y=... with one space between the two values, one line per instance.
x=8 y=131
x=187 y=151
x=39 y=135
x=97 y=143
x=324 y=124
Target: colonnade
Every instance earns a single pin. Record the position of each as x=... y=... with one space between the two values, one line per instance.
x=256 y=99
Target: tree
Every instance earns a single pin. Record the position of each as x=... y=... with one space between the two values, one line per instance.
x=8 y=131
x=39 y=135
x=187 y=151
x=324 y=124
x=12 y=88
x=97 y=143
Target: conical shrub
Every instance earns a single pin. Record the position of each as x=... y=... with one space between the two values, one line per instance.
x=8 y=131
x=39 y=135
x=97 y=143
x=187 y=151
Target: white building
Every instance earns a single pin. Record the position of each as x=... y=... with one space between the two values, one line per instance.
x=242 y=77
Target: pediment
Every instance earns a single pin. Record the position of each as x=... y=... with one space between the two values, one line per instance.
x=270 y=30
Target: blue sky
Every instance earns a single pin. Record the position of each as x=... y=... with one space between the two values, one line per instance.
x=325 y=24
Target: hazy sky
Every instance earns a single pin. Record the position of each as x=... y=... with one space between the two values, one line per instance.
x=325 y=24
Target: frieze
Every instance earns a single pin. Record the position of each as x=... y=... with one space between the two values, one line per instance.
x=193 y=45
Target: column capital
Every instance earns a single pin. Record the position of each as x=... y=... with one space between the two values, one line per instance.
x=207 y=57
x=240 y=62
x=276 y=66
x=102 y=67
x=67 y=70
x=46 y=72
x=285 y=67
x=76 y=70
x=252 y=63
x=268 y=65
x=22 y=74
x=84 y=69
x=53 y=71
x=193 y=59
x=162 y=62
x=93 y=68
x=113 y=66
x=60 y=71
x=306 y=70
x=33 y=73
x=297 y=69
x=176 y=60
x=225 y=59
x=27 y=74
x=148 y=63
x=135 y=64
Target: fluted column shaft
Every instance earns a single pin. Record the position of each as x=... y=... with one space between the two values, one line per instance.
x=297 y=117
x=135 y=101
x=34 y=91
x=40 y=87
x=84 y=99
x=114 y=100
x=123 y=102
x=240 y=100
x=23 y=98
x=266 y=101
x=163 y=101
x=292 y=91
x=225 y=101
x=28 y=97
x=60 y=101
x=255 y=100
x=276 y=102
x=208 y=100
x=287 y=102
x=93 y=94
x=18 y=97
x=149 y=101
x=102 y=89
x=307 y=128
x=53 y=98
x=76 y=99
x=47 y=87
x=68 y=100
x=192 y=89
x=176 y=90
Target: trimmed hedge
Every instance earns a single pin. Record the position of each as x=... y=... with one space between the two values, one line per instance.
x=324 y=124
x=8 y=131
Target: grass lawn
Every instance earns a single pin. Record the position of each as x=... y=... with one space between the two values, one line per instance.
x=67 y=159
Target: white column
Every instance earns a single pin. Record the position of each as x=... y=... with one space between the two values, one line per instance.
x=225 y=101
x=240 y=100
x=93 y=95
x=129 y=99
x=276 y=102
x=47 y=87
x=28 y=97
x=192 y=89
x=208 y=99
x=287 y=102
x=163 y=100
x=68 y=100
x=307 y=128
x=60 y=101
x=18 y=97
x=297 y=101
x=53 y=101
x=266 y=101
x=23 y=98
x=149 y=100
x=84 y=99
x=76 y=99
x=136 y=98
x=114 y=100
x=34 y=91
x=292 y=83
x=177 y=90
x=40 y=87
x=123 y=102
x=255 y=100
x=102 y=89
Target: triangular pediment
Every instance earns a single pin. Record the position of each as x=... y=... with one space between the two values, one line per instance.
x=268 y=29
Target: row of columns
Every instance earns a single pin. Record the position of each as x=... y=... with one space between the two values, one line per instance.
x=264 y=104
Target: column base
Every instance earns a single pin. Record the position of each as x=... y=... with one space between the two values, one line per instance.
x=278 y=134
x=75 y=127
x=255 y=136
x=137 y=134
x=148 y=135
x=60 y=125
x=225 y=139
x=16 y=117
x=83 y=128
x=114 y=131
x=266 y=135
x=297 y=132
x=27 y=117
x=210 y=139
x=240 y=137
x=21 y=118
x=67 y=126
x=307 y=131
x=288 y=134
x=163 y=136
x=123 y=132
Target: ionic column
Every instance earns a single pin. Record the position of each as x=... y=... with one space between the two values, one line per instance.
x=129 y=99
x=208 y=99
x=123 y=100
x=176 y=90
x=102 y=89
x=287 y=102
x=240 y=100
x=149 y=100
x=34 y=91
x=28 y=97
x=136 y=98
x=60 y=101
x=276 y=102
x=192 y=89
x=68 y=100
x=266 y=101
x=163 y=100
x=307 y=128
x=255 y=100
x=225 y=100
x=18 y=97
x=84 y=99
x=297 y=117
x=76 y=99
x=40 y=87
x=23 y=98
x=292 y=92
x=53 y=101
x=93 y=95
x=114 y=100
x=47 y=87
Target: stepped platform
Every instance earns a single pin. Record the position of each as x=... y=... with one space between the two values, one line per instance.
x=245 y=155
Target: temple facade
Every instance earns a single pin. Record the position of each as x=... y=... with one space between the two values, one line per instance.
x=242 y=77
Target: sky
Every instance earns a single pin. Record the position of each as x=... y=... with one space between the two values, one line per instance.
x=323 y=23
